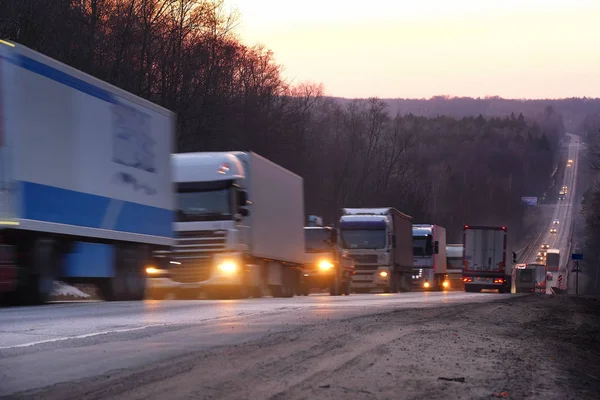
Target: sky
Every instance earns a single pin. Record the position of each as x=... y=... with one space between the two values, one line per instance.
x=423 y=48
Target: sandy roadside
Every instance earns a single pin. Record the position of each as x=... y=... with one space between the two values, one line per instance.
x=543 y=347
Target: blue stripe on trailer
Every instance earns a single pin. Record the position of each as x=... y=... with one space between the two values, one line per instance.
x=63 y=206
x=63 y=78
x=90 y=260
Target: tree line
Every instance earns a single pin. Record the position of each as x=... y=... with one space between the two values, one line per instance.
x=185 y=55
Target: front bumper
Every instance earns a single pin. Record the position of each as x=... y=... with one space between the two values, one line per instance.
x=373 y=280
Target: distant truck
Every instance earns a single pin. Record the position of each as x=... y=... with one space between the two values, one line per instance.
x=326 y=266
x=240 y=226
x=429 y=257
x=553 y=259
x=454 y=260
x=485 y=265
x=380 y=242
x=530 y=278
x=85 y=181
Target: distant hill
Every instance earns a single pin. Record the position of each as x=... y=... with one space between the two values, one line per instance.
x=573 y=110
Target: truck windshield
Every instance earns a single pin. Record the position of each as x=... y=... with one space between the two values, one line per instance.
x=317 y=240
x=363 y=234
x=204 y=201
x=422 y=246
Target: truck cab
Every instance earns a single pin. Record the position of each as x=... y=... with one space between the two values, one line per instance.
x=380 y=242
x=327 y=266
x=429 y=257
x=238 y=226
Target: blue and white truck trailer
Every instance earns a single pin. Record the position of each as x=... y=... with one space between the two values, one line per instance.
x=86 y=193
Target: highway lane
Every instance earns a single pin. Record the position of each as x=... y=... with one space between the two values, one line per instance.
x=563 y=212
x=63 y=342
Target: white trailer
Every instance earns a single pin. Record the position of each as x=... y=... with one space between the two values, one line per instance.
x=485 y=259
x=85 y=179
x=240 y=226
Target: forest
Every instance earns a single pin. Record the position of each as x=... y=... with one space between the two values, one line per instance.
x=448 y=168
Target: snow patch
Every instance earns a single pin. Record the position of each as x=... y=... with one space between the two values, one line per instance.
x=62 y=289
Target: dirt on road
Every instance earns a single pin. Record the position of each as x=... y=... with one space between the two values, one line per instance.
x=538 y=346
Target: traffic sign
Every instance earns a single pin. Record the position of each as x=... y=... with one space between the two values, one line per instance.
x=577 y=257
x=576 y=268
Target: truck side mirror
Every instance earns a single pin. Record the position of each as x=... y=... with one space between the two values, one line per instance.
x=436 y=247
x=242 y=198
x=393 y=241
x=244 y=212
x=514 y=257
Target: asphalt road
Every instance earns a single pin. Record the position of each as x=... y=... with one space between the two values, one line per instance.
x=65 y=342
x=563 y=212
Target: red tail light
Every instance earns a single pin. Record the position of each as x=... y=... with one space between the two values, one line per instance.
x=503 y=228
x=466 y=226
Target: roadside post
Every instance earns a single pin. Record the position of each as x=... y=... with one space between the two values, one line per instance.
x=576 y=257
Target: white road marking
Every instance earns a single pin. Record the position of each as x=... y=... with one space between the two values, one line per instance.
x=87 y=335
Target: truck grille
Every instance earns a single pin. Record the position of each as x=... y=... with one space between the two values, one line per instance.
x=195 y=250
x=365 y=268
x=365 y=258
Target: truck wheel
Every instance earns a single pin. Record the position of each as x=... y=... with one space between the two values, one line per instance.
x=334 y=289
x=346 y=288
x=395 y=283
x=42 y=271
x=136 y=279
x=471 y=289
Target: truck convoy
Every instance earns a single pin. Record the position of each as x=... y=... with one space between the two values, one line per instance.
x=429 y=257
x=380 y=241
x=240 y=226
x=326 y=265
x=85 y=180
x=484 y=265
x=553 y=259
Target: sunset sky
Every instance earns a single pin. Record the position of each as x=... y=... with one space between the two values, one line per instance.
x=421 y=48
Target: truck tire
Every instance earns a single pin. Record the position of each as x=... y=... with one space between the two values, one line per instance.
x=41 y=271
x=129 y=280
x=471 y=289
x=346 y=288
x=395 y=283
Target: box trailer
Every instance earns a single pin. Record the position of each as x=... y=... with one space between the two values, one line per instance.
x=85 y=179
x=485 y=259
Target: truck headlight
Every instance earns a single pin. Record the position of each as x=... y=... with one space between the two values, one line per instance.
x=325 y=265
x=445 y=284
x=426 y=284
x=383 y=274
x=228 y=267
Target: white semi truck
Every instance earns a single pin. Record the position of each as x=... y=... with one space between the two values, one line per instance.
x=485 y=259
x=429 y=257
x=380 y=241
x=240 y=226
x=85 y=180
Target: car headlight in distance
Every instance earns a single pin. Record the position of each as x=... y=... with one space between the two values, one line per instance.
x=325 y=265
x=228 y=267
x=383 y=274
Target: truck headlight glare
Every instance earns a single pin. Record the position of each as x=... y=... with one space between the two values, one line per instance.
x=426 y=284
x=325 y=265
x=152 y=271
x=228 y=267
x=383 y=274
